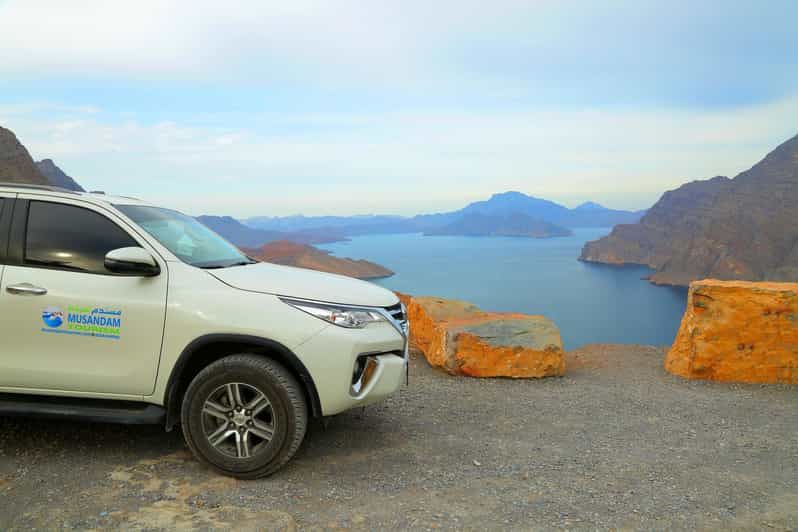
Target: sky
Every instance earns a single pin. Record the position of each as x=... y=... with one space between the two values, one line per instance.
x=249 y=108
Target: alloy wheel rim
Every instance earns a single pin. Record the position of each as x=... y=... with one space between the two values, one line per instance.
x=238 y=420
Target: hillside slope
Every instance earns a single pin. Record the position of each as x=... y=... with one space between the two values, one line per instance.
x=56 y=176
x=16 y=164
x=741 y=228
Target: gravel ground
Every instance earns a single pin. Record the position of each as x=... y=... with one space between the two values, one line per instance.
x=618 y=443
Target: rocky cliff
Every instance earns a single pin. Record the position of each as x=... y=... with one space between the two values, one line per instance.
x=16 y=165
x=738 y=331
x=464 y=340
x=304 y=256
x=56 y=176
x=741 y=228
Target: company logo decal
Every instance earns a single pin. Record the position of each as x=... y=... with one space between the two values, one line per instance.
x=53 y=317
x=83 y=321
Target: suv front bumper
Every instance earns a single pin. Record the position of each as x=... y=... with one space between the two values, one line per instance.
x=355 y=367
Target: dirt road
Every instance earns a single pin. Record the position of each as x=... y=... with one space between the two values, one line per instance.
x=618 y=443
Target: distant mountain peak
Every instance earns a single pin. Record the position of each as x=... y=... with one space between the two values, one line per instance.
x=590 y=205
x=509 y=194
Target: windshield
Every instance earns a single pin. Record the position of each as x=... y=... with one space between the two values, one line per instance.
x=187 y=238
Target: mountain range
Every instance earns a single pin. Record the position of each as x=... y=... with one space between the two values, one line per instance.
x=510 y=224
x=741 y=228
x=504 y=214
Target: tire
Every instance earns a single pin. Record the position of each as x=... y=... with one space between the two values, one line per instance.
x=228 y=424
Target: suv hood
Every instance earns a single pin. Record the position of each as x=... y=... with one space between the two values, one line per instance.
x=300 y=283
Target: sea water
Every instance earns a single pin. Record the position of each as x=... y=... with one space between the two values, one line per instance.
x=590 y=303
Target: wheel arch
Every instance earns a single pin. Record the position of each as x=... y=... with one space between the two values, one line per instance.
x=212 y=347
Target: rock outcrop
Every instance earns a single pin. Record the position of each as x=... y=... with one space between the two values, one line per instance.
x=16 y=164
x=304 y=256
x=741 y=228
x=56 y=176
x=463 y=340
x=738 y=331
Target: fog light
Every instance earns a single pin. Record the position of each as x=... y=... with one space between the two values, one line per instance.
x=365 y=368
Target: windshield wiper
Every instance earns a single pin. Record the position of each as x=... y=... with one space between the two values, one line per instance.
x=228 y=265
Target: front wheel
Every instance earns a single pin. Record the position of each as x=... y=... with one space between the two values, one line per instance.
x=245 y=416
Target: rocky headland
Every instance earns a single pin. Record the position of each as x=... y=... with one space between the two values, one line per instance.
x=464 y=340
x=741 y=228
x=738 y=331
x=305 y=256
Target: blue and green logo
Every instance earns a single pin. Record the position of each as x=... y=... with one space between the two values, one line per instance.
x=53 y=317
x=94 y=320
x=83 y=321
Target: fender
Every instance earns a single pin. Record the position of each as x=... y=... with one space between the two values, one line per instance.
x=274 y=349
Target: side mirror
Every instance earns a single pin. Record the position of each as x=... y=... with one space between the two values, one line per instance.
x=132 y=261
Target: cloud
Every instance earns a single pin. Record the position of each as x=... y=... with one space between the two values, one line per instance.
x=255 y=107
x=199 y=39
x=505 y=50
x=406 y=162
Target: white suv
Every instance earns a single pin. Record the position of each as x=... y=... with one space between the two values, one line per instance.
x=115 y=310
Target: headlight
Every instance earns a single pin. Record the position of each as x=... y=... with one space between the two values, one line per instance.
x=343 y=316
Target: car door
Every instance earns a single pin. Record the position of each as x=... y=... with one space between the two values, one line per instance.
x=6 y=202
x=67 y=323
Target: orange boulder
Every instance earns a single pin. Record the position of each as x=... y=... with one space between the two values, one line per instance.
x=738 y=331
x=462 y=339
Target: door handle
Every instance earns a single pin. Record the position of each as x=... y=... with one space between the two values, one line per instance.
x=26 y=289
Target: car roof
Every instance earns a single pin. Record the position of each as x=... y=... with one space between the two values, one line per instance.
x=58 y=192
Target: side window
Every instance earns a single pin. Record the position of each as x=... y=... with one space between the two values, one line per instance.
x=71 y=238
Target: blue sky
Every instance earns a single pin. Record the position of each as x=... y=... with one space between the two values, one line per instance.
x=272 y=108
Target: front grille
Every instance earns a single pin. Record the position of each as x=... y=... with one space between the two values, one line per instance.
x=397 y=312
